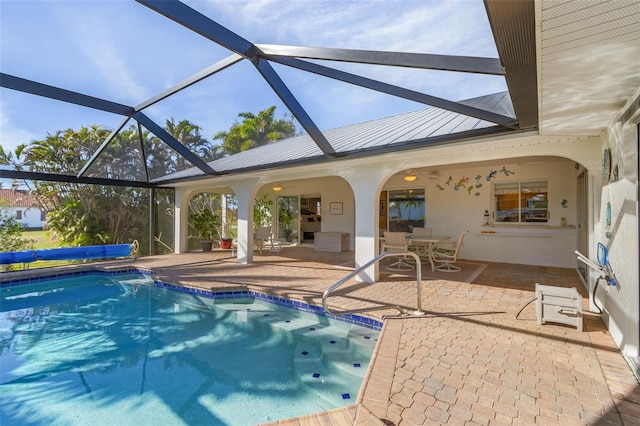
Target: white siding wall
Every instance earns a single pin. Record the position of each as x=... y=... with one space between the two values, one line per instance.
x=30 y=216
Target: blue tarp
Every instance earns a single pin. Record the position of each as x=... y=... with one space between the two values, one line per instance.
x=68 y=253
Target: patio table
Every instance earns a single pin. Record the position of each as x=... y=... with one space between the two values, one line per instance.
x=431 y=241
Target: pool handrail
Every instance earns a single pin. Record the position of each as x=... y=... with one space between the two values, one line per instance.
x=376 y=259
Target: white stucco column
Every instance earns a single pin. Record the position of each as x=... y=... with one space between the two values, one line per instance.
x=223 y=215
x=181 y=211
x=366 y=183
x=245 y=191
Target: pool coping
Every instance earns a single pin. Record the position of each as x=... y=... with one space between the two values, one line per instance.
x=359 y=320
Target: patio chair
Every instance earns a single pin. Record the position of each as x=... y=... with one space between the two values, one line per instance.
x=276 y=245
x=421 y=249
x=396 y=242
x=446 y=255
x=262 y=235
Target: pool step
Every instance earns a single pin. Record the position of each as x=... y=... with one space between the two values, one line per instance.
x=325 y=369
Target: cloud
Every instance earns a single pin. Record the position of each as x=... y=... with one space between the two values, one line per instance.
x=445 y=27
x=448 y=27
x=125 y=52
x=12 y=135
x=92 y=32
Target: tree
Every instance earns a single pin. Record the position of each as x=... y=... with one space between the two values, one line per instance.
x=262 y=211
x=15 y=159
x=188 y=134
x=88 y=214
x=254 y=131
x=84 y=214
x=11 y=232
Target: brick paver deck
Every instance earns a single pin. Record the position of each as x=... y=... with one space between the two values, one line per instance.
x=468 y=361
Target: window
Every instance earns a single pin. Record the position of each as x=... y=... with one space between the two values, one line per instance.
x=19 y=214
x=406 y=209
x=521 y=202
x=43 y=215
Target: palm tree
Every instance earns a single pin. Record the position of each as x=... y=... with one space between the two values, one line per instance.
x=188 y=134
x=255 y=130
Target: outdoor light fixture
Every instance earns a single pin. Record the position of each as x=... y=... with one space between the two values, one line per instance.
x=410 y=178
x=277 y=188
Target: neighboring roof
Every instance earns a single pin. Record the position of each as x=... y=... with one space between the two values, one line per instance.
x=404 y=131
x=18 y=198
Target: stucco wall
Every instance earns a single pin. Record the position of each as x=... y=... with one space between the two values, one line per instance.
x=622 y=301
x=450 y=211
x=332 y=190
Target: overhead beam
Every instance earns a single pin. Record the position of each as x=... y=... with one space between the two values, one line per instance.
x=173 y=143
x=206 y=27
x=201 y=24
x=401 y=92
x=281 y=89
x=469 y=64
x=143 y=152
x=28 y=86
x=52 y=177
x=102 y=147
x=517 y=50
x=217 y=67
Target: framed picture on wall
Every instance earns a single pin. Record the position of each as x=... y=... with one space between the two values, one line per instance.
x=383 y=208
x=335 y=208
x=304 y=202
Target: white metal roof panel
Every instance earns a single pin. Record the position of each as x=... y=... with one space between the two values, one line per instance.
x=402 y=128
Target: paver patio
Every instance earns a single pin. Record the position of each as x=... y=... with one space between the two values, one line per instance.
x=467 y=361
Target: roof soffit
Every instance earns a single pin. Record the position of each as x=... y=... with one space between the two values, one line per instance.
x=513 y=26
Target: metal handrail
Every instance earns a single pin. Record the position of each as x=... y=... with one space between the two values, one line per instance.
x=381 y=256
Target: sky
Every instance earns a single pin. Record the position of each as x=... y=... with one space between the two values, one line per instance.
x=120 y=50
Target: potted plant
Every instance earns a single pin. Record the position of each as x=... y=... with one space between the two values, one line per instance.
x=226 y=238
x=226 y=233
x=225 y=243
x=206 y=224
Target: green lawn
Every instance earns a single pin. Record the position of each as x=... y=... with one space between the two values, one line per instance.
x=42 y=241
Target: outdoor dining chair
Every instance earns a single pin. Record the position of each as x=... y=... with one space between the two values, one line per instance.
x=445 y=256
x=396 y=242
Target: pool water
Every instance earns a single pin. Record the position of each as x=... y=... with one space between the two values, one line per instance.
x=101 y=349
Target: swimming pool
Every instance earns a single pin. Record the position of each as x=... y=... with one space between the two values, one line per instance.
x=121 y=349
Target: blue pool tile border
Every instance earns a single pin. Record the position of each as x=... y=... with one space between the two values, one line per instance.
x=217 y=295
x=294 y=304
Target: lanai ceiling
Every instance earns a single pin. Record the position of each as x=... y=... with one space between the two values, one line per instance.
x=588 y=63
